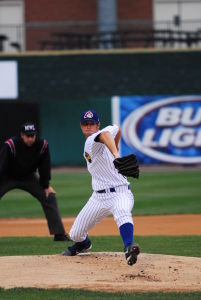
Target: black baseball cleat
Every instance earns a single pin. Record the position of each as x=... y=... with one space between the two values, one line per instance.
x=62 y=238
x=131 y=253
x=76 y=248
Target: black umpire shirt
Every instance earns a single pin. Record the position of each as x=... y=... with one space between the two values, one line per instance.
x=19 y=161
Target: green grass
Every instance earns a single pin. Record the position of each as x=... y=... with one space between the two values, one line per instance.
x=64 y=294
x=175 y=192
x=155 y=193
x=168 y=193
x=182 y=245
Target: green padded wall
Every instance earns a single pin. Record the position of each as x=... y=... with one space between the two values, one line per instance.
x=70 y=77
x=60 y=124
x=64 y=84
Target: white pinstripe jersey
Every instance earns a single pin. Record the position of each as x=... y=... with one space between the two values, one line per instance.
x=100 y=162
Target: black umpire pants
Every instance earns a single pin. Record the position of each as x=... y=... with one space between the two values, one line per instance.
x=49 y=205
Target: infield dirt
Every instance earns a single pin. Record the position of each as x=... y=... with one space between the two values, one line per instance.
x=144 y=226
x=104 y=271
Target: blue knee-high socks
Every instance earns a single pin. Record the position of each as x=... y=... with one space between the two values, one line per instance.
x=126 y=232
x=86 y=241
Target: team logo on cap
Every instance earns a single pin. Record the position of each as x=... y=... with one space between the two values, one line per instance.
x=29 y=127
x=88 y=114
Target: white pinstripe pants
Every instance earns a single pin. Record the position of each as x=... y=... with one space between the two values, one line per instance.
x=99 y=206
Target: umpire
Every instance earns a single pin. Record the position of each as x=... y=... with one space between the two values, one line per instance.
x=20 y=159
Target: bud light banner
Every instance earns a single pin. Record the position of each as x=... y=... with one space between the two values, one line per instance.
x=160 y=129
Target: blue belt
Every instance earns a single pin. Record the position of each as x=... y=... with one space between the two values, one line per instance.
x=111 y=190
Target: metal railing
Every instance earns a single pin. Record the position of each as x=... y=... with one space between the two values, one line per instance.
x=12 y=38
x=121 y=39
x=85 y=35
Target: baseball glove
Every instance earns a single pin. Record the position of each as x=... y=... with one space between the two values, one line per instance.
x=127 y=165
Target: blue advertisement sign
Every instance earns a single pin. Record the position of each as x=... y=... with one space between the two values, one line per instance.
x=160 y=129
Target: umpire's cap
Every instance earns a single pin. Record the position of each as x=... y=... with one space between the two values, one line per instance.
x=89 y=115
x=28 y=129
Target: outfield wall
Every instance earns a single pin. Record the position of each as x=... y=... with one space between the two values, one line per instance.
x=60 y=123
x=62 y=85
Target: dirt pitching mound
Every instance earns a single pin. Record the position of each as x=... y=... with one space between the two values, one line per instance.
x=102 y=272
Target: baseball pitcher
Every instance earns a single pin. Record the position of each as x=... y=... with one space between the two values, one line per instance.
x=111 y=189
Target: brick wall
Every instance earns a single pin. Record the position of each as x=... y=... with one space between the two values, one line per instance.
x=80 y=12
x=139 y=12
x=135 y=9
x=52 y=11
x=77 y=10
x=62 y=10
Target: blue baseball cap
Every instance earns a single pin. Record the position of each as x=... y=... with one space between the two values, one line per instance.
x=89 y=115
